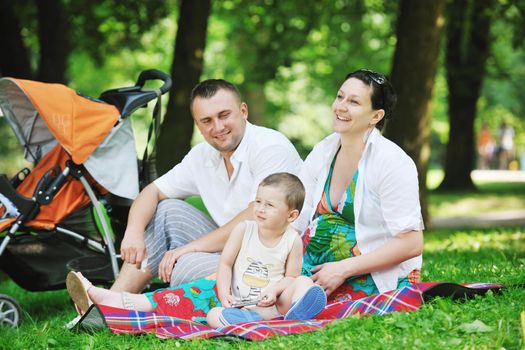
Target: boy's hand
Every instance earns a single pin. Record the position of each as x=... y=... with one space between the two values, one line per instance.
x=227 y=301
x=268 y=297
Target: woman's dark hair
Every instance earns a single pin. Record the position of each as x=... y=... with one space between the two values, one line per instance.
x=383 y=94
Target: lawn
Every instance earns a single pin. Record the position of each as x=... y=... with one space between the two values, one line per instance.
x=490 y=322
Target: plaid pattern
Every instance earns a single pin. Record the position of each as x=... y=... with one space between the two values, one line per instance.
x=405 y=299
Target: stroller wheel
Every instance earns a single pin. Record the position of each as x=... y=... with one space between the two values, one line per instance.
x=10 y=312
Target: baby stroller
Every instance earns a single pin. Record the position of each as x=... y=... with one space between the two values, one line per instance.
x=69 y=211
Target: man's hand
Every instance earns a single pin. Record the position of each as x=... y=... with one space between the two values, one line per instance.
x=169 y=260
x=132 y=248
x=329 y=276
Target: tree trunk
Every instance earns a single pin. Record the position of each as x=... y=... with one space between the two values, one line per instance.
x=256 y=100
x=14 y=59
x=177 y=128
x=53 y=34
x=468 y=31
x=419 y=29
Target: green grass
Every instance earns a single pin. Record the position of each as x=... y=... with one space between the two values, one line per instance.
x=490 y=322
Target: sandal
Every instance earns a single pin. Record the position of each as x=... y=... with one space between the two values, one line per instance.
x=77 y=287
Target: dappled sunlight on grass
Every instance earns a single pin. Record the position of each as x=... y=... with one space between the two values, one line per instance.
x=475 y=204
x=474 y=240
x=490 y=197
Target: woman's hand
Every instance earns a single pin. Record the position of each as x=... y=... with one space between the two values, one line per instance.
x=329 y=276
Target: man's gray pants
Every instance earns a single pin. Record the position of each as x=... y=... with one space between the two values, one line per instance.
x=175 y=224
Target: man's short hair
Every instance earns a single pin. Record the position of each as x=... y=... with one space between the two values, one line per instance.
x=292 y=187
x=208 y=88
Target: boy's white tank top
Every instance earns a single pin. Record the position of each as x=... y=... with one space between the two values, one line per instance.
x=258 y=266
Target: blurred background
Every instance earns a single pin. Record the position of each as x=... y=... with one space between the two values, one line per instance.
x=457 y=65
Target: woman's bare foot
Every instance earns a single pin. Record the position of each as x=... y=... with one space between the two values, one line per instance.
x=105 y=297
x=84 y=294
x=77 y=287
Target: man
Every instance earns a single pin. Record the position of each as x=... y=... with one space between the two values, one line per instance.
x=177 y=241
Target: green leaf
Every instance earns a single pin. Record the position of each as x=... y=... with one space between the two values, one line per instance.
x=475 y=327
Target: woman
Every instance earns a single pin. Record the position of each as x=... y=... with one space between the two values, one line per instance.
x=362 y=214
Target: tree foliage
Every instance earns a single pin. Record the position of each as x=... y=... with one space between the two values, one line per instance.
x=43 y=33
x=262 y=37
x=288 y=57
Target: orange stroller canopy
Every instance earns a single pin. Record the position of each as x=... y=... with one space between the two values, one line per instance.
x=76 y=122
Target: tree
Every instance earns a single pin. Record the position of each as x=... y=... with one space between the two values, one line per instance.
x=14 y=60
x=53 y=35
x=52 y=29
x=468 y=30
x=53 y=39
x=177 y=128
x=419 y=28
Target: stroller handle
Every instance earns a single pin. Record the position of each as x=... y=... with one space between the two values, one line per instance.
x=155 y=74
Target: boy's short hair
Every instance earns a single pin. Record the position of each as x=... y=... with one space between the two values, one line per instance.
x=208 y=88
x=293 y=188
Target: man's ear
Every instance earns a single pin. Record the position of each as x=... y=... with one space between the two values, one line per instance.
x=292 y=215
x=244 y=110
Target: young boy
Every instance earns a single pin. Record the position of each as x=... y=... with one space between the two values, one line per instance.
x=262 y=259
x=259 y=266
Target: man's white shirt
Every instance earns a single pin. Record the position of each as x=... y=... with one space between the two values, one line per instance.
x=202 y=172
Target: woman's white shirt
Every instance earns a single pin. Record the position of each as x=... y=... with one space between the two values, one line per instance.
x=386 y=199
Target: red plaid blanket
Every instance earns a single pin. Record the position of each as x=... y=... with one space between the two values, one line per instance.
x=405 y=299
